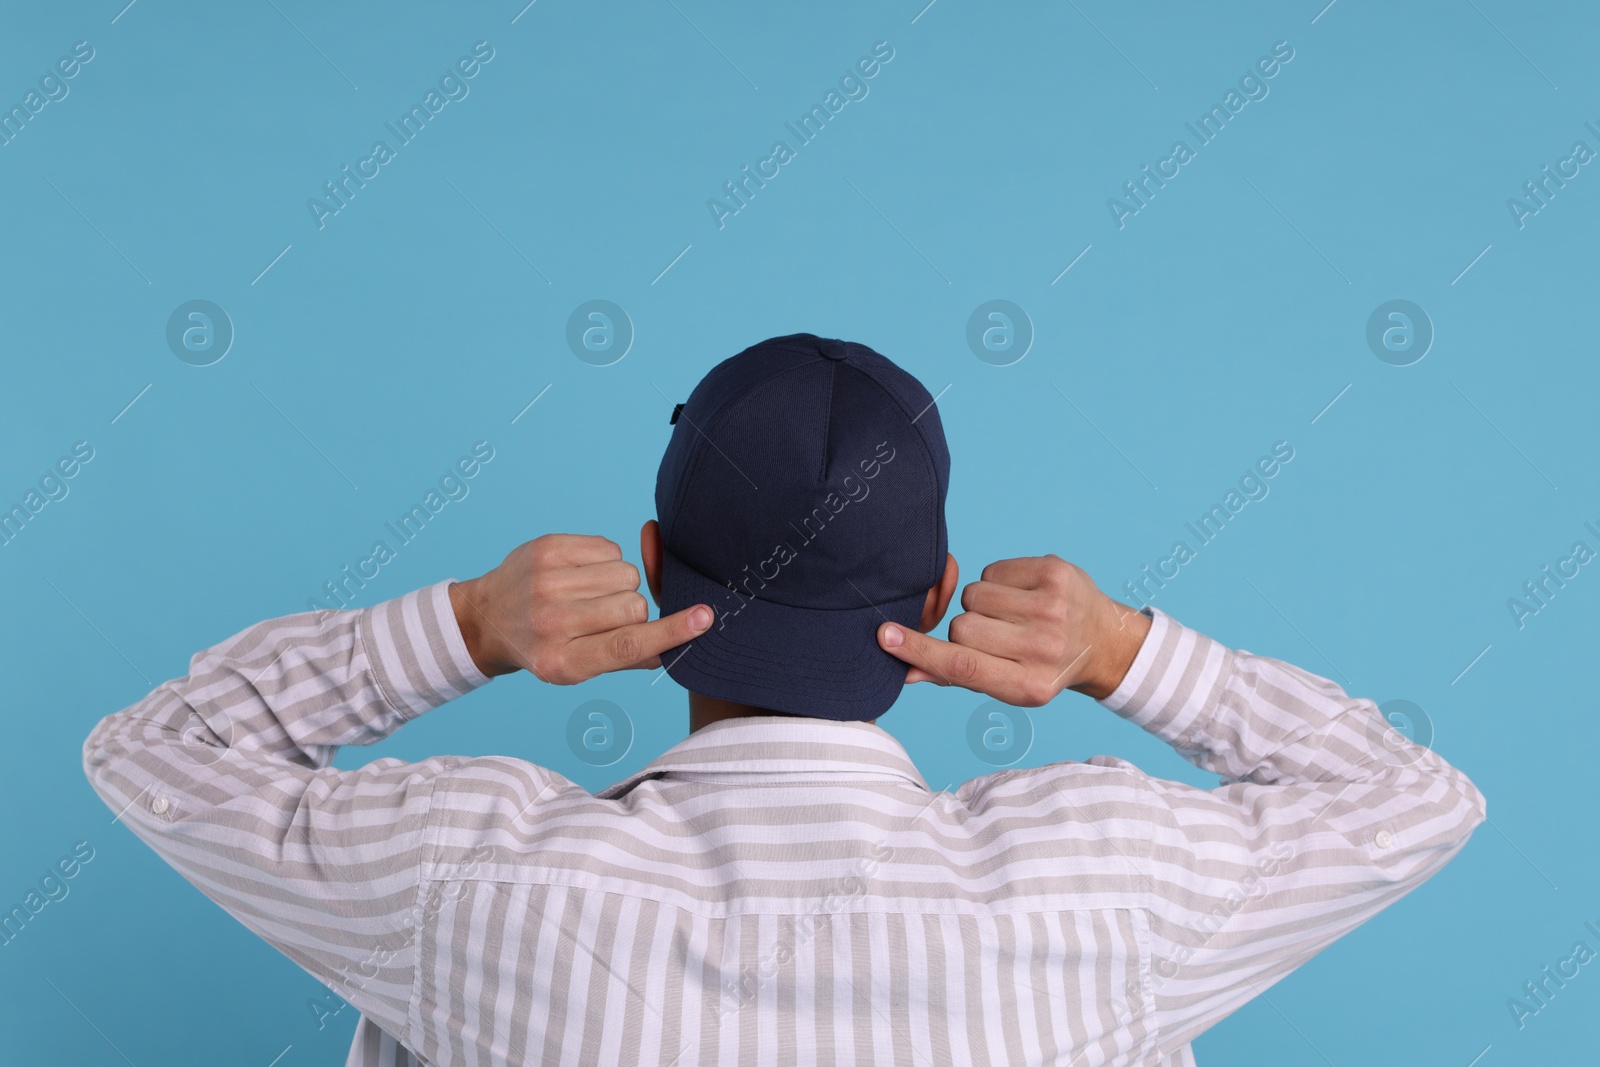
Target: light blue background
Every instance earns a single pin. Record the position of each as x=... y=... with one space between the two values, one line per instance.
x=1224 y=317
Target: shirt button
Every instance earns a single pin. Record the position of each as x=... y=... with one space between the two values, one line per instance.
x=159 y=805
x=1383 y=839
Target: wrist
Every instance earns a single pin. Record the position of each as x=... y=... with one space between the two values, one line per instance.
x=1122 y=634
x=466 y=600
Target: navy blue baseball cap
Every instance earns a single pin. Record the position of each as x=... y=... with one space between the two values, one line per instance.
x=802 y=497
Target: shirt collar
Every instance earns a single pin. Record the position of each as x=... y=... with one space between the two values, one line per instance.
x=784 y=747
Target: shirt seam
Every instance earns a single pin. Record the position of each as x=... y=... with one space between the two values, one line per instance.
x=429 y=848
x=1145 y=942
x=380 y=675
x=786 y=776
x=1131 y=902
x=1206 y=713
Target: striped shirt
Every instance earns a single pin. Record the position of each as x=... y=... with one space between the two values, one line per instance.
x=773 y=890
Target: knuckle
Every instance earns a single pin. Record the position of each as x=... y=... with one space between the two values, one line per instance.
x=1037 y=692
x=625 y=647
x=557 y=669
x=1056 y=575
x=639 y=608
x=963 y=666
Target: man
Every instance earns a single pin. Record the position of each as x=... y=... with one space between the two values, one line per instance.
x=782 y=887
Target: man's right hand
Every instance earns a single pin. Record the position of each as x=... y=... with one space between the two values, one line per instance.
x=566 y=607
x=1031 y=628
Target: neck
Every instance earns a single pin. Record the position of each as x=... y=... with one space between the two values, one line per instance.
x=704 y=710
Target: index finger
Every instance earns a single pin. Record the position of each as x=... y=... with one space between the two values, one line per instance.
x=951 y=664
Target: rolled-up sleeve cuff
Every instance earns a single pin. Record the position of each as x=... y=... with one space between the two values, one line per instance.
x=416 y=650
x=1174 y=685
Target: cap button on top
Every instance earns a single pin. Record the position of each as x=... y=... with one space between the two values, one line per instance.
x=834 y=350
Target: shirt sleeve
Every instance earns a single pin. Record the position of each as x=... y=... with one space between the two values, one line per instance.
x=225 y=774
x=1325 y=816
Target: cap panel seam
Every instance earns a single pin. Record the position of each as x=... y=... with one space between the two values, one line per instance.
x=827 y=417
x=927 y=455
x=702 y=448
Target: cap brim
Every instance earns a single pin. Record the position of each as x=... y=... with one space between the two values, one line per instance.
x=824 y=663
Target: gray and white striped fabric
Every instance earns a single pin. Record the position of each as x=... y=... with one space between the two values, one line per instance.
x=772 y=890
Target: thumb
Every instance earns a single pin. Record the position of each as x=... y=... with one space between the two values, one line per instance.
x=928 y=656
x=943 y=662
